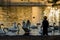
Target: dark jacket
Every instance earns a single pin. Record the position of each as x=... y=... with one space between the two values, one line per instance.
x=45 y=24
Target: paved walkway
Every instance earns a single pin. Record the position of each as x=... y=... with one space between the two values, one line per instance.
x=34 y=31
x=29 y=37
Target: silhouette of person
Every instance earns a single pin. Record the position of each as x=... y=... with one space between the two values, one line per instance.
x=25 y=28
x=15 y=25
x=28 y=24
x=1 y=26
x=18 y=26
x=45 y=25
x=23 y=24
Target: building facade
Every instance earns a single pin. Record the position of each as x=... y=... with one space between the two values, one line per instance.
x=10 y=14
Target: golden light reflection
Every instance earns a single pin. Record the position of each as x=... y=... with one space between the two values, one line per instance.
x=53 y=16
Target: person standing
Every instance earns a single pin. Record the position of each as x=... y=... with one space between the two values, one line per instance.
x=45 y=25
x=28 y=24
x=15 y=25
x=18 y=26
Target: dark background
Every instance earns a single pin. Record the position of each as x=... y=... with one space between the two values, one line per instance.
x=30 y=37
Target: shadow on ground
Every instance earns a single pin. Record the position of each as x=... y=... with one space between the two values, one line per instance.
x=30 y=37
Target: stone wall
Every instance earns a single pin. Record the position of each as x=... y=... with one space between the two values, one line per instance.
x=9 y=15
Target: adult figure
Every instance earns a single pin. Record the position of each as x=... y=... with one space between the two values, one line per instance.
x=18 y=26
x=15 y=25
x=25 y=28
x=28 y=24
x=45 y=25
